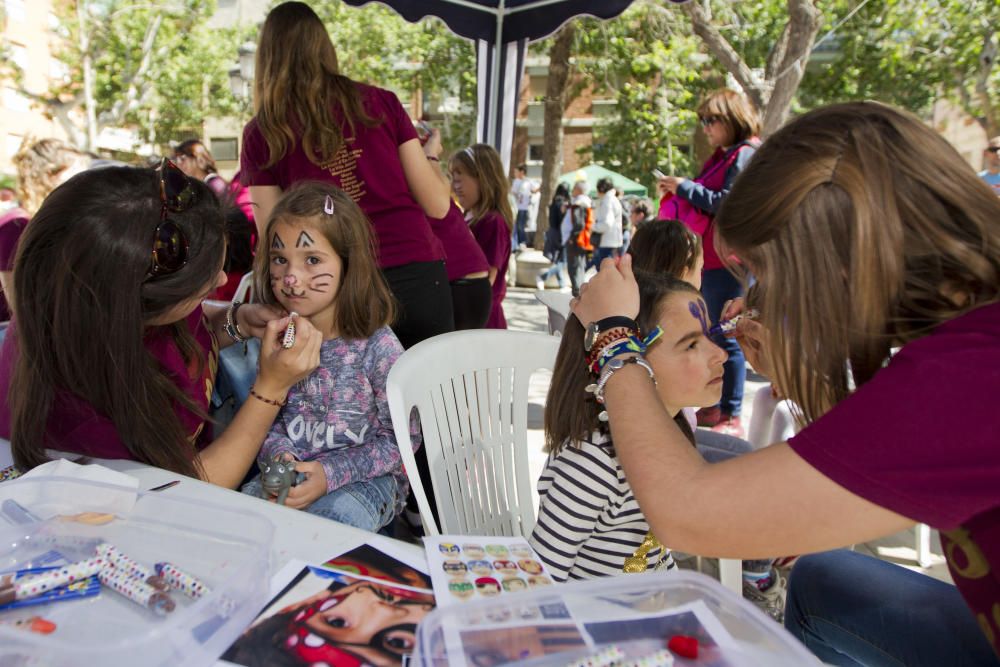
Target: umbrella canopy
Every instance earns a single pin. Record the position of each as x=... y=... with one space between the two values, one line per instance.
x=595 y=172
x=501 y=30
x=514 y=19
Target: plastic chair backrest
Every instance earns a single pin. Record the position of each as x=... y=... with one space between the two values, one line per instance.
x=244 y=291
x=470 y=389
x=557 y=304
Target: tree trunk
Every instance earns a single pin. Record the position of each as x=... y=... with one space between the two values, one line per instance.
x=773 y=93
x=803 y=24
x=555 y=105
x=987 y=60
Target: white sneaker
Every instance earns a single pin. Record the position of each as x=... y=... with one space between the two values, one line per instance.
x=540 y=284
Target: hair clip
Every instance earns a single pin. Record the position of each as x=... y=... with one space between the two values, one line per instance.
x=468 y=151
x=328 y=205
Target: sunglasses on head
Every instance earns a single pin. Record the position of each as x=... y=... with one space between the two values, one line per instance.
x=170 y=246
x=993 y=149
x=708 y=121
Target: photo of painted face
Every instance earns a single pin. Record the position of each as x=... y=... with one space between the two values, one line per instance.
x=480 y=566
x=449 y=550
x=368 y=561
x=331 y=618
x=454 y=568
x=473 y=551
x=514 y=584
x=497 y=551
x=505 y=566
x=463 y=590
x=530 y=566
x=488 y=586
x=521 y=551
x=539 y=580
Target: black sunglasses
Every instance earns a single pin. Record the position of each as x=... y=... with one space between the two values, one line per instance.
x=170 y=246
x=709 y=120
x=993 y=149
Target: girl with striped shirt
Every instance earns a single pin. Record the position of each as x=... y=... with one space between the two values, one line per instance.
x=589 y=523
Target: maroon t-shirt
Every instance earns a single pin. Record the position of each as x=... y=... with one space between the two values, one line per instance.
x=74 y=426
x=12 y=225
x=462 y=254
x=493 y=236
x=367 y=168
x=922 y=438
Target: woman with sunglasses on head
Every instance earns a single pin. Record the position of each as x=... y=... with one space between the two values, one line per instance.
x=866 y=231
x=111 y=353
x=731 y=126
x=313 y=123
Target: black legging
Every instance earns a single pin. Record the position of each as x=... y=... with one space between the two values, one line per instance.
x=471 y=299
x=424 y=297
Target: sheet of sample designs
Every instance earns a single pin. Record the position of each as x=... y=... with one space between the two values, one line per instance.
x=474 y=568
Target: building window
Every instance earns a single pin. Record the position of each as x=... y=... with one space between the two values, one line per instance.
x=58 y=71
x=15 y=10
x=535 y=152
x=225 y=148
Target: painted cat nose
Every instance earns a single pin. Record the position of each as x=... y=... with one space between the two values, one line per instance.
x=290 y=280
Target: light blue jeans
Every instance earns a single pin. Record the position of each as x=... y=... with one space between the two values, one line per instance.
x=369 y=505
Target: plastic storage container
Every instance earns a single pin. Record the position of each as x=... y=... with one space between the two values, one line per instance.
x=637 y=613
x=227 y=549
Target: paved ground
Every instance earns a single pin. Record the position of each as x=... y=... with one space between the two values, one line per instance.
x=526 y=313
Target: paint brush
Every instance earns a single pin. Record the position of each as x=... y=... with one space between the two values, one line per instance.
x=728 y=326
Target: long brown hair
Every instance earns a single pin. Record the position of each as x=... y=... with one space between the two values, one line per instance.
x=298 y=88
x=82 y=302
x=866 y=230
x=363 y=302
x=570 y=411
x=483 y=163
x=195 y=150
x=665 y=246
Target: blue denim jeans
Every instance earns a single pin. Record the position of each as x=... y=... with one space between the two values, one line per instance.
x=717 y=287
x=369 y=505
x=851 y=609
x=601 y=254
x=557 y=268
x=520 y=233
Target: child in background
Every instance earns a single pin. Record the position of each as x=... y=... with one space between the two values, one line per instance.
x=479 y=183
x=589 y=522
x=318 y=261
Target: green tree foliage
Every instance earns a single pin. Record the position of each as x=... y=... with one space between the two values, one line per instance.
x=375 y=45
x=155 y=67
x=649 y=63
x=910 y=53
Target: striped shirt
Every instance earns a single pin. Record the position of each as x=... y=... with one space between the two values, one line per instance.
x=588 y=521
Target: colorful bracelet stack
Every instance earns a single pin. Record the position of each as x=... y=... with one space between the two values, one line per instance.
x=616 y=342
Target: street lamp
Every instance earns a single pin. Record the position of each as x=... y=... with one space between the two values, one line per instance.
x=241 y=77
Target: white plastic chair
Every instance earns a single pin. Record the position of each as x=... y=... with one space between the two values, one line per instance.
x=470 y=389
x=557 y=304
x=244 y=291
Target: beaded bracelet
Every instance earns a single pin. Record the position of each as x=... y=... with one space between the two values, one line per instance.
x=597 y=388
x=269 y=401
x=606 y=339
x=632 y=344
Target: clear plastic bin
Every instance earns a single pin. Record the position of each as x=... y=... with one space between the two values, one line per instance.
x=231 y=554
x=636 y=612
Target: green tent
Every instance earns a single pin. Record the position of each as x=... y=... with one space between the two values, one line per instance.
x=595 y=172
